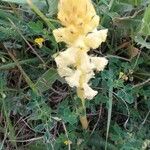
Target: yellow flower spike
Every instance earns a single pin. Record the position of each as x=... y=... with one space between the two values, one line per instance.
x=39 y=41
x=80 y=33
x=75 y=12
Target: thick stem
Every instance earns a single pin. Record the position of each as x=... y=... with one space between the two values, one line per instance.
x=84 y=122
x=82 y=108
x=83 y=117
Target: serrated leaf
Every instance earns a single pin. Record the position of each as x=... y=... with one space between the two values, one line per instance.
x=69 y=116
x=142 y=42
x=126 y=94
x=46 y=80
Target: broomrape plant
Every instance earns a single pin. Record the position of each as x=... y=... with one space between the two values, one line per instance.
x=80 y=33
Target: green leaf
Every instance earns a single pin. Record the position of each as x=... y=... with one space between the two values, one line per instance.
x=38 y=145
x=132 y=2
x=46 y=80
x=142 y=42
x=110 y=106
x=145 y=28
x=36 y=27
x=126 y=94
x=23 y=1
x=69 y=116
x=52 y=7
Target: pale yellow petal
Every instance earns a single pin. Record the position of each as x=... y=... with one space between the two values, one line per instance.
x=73 y=80
x=58 y=34
x=89 y=93
x=99 y=63
x=92 y=24
x=94 y=39
x=66 y=58
x=69 y=55
x=79 y=44
x=69 y=35
x=65 y=72
x=60 y=62
x=88 y=76
x=85 y=64
x=69 y=11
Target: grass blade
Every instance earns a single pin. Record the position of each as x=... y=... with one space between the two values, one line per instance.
x=110 y=107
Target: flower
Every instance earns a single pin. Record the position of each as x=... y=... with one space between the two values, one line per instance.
x=73 y=80
x=65 y=71
x=66 y=58
x=67 y=35
x=99 y=63
x=67 y=142
x=95 y=38
x=79 y=13
x=123 y=76
x=89 y=93
x=39 y=41
x=80 y=33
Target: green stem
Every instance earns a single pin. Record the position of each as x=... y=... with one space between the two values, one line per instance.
x=143 y=74
x=38 y=12
x=13 y=65
x=110 y=4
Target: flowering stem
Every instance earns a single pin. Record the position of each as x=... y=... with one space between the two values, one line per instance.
x=83 y=118
x=82 y=108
